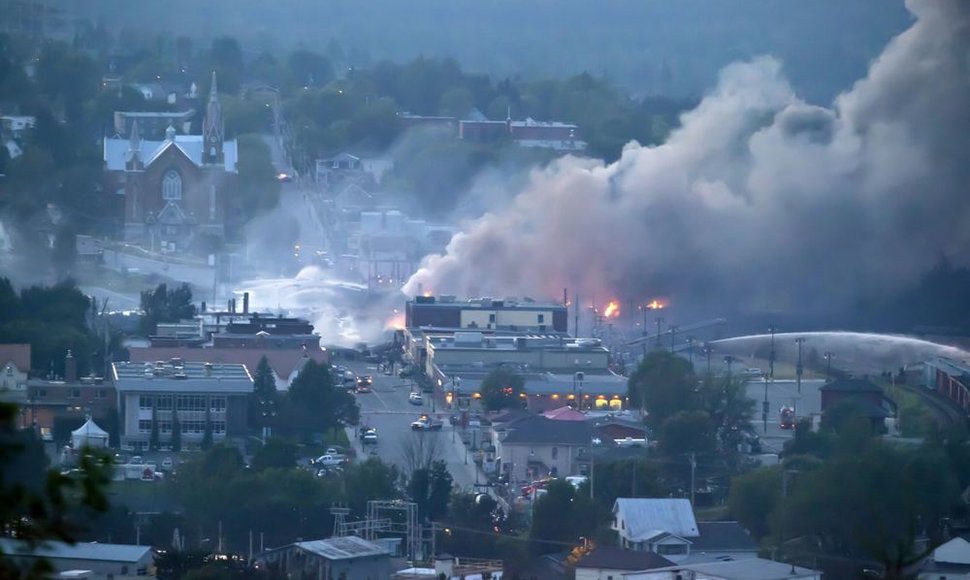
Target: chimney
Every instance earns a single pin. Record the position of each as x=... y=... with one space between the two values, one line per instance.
x=245 y=302
x=229 y=305
x=70 y=367
x=203 y=306
x=232 y=305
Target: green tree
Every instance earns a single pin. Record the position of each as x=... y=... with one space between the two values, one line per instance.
x=264 y=402
x=176 y=432
x=664 y=385
x=431 y=489
x=165 y=305
x=64 y=252
x=367 y=480
x=275 y=454
x=626 y=478
x=309 y=69
x=257 y=190
x=753 y=498
x=315 y=405
x=207 y=430
x=502 y=389
x=153 y=436
x=470 y=525
x=687 y=432
x=563 y=516
x=38 y=503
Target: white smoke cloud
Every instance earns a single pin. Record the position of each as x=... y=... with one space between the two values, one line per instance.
x=758 y=197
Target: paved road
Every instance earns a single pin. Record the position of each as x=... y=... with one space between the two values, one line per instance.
x=782 y=393
x=387 y=409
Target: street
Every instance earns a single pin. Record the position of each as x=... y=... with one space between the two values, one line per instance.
x=782 y=393
x=387 y=409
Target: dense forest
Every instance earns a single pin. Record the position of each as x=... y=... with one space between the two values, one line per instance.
x=640 y=45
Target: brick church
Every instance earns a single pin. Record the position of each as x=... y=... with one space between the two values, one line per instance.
x=176 y=191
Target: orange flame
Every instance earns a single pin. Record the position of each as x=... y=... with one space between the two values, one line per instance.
x=396 y=322
x=612 y=309
x=656 y=305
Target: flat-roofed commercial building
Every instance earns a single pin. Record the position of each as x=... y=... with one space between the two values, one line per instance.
x=187 y=395
x=485 y=313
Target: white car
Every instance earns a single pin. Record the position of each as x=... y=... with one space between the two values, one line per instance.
x=167 y=463
x=415 y=399
x=370 y=437
x=136 y=460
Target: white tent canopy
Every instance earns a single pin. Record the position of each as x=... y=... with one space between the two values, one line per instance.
x=89 y=434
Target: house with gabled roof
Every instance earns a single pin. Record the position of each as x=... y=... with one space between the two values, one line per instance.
x=665 y=526
x=14 y=366
x=534 y=447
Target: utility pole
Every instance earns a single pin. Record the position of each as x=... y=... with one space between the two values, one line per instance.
x=592 y=469
x=828 y=364
x=729 y=361
x=771 y=355
x=673 y=333
x=576 y=323
x=708 y=349
x=798 y=367
x=690 y=351
x=693 y=471
x=764 y=406
x=660 y=321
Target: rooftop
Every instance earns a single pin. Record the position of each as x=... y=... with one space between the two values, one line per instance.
x=116 y=151
x=447 y=301
x=613 y=558
x=80 y=551
x=283 y=361
x=723 y=537
x=540 y=430
x=747 y=569
x=474 y=340
x=854 y=385
x=644 y=517
x=180 y=375
x=593 y=384
x=344 y=548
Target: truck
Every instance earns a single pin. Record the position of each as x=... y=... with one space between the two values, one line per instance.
x=330 y=460
x=787 y=418
x=426 y=423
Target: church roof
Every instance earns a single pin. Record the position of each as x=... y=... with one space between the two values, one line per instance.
x=116 y=151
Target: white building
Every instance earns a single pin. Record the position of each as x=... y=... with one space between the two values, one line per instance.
x=664 y=526
x=89 y=560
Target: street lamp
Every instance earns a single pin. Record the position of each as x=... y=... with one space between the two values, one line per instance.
x=798 y=367
x=660 y=321
x=673 y=334
x=828 y=364
x=708 y=349
x=690 y=351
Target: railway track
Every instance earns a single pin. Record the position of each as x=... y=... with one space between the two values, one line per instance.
x=946 y=413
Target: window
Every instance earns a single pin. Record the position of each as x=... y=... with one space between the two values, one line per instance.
x=217 y=404
x=218 y=427
x=172 y=186
x=671 y=549
x=74 y=394
x=164 y=402
x=491 y=318
x=145 y=402
x=42 y=393
x=145 y=426
x=542 y=318
x=165 y=426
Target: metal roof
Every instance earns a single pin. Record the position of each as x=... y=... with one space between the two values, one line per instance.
x=643 y=517
x=344 y=548
x=745 y=569
x=183 y=377
x=116 y=151
x=81 y=551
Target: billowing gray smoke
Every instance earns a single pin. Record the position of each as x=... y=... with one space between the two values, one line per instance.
x=759 y=198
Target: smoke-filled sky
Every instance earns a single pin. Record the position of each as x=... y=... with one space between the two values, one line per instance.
x=758 y=199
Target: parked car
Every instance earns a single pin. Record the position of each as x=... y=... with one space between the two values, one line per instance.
x=136 y=460
x=330 y=460
x=167 y=463
x=370 y=437
x=415 y=399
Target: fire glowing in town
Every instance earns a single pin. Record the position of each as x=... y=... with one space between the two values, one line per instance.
x=612 y=309
x=656 y=305
x=395 y=322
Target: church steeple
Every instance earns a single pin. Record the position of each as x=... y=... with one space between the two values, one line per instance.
x=213 y=129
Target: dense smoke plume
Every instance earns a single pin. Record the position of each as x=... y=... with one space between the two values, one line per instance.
x=759 y=198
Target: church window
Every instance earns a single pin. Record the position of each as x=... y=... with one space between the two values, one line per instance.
x=172 y=186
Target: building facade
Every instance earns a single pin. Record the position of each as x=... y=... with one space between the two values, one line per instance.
x=176 y=190
x=187 y=397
